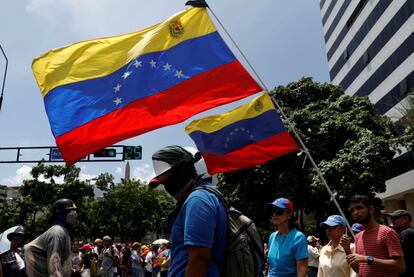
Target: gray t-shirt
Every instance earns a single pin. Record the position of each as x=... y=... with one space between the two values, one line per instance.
x=107 y=257
x=49 y=254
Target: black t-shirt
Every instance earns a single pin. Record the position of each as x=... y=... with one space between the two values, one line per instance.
x=87 y=260
x=407 y=243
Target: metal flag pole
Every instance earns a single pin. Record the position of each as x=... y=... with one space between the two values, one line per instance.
x=291 y=126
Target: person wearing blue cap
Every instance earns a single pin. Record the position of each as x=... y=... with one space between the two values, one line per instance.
x=356 y=228
x=288 y=248
x=332 y=259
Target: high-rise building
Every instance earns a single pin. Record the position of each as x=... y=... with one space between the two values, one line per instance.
x=370 y=50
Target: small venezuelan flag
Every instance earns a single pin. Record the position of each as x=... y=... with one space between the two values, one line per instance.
x=249 y=135
x=102 y=91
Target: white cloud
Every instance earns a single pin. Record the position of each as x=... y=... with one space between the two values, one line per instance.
x=85 y=176
x=22 y=173
x=143 y=173
x=118 y=170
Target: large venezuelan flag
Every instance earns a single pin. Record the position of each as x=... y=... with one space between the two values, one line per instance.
x=102 y=91
x=249 y=135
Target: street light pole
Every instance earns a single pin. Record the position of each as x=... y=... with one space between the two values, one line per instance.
x=4 y=78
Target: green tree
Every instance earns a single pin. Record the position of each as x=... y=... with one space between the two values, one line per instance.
x=407 y=137
x=39 y=193
x=350 y=143
x=130 y=209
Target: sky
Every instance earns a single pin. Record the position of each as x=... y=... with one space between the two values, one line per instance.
x=282 y=39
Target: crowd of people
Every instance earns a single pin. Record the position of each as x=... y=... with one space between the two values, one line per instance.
x=198 y=233
x=104 y=258
x=378 y=250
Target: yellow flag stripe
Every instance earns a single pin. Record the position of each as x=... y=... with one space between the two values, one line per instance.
x=99 y=57
x=214 y=123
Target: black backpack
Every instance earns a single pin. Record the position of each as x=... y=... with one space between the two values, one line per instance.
x=244 y=256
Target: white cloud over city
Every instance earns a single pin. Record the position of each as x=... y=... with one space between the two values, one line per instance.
x=23 y=173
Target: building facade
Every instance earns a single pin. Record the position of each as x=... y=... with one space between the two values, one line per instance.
x=3 y=196
x=370 y=51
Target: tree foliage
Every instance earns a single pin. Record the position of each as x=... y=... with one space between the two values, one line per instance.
x=407 y=138
x=128 y=210
x=349 y=142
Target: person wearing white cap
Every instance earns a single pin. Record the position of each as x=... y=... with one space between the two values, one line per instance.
x=332 y=259
x=199 y=227
x=314 y=249
x=108 y=258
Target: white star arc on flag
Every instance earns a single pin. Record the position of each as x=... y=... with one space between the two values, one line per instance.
x=138 y=63
x=153 y=64
x=117 y=87
x=118 y=101
x=179 y=74
x=126 y=74
x=167 y=66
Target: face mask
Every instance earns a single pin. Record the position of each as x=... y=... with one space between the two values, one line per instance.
x=72 y=217
x=172 y=188
x=177 y=180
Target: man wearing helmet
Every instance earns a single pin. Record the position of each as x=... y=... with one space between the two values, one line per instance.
x=50 y=253
x=199 y=222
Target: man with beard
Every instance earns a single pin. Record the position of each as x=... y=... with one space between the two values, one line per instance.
x=401 y=221
x=50 y=253
x=378 y=249
x=199 y=224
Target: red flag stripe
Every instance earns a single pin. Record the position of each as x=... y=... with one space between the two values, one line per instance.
x=250 y=155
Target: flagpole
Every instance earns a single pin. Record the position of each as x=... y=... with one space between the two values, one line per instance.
x=291 y=126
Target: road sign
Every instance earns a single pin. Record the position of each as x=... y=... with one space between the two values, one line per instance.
x=55 y=154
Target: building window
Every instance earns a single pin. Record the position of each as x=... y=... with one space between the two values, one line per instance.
x=366 y=58
x=404 y=87
x=355 y=13
x=345 y=55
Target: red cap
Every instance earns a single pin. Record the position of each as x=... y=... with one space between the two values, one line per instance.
x=160 y=179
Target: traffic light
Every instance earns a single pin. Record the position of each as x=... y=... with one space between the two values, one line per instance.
x=132 y=153
x=105 y=153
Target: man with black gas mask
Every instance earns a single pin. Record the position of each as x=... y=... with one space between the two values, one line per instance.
x=199 y=222
x=50 y=253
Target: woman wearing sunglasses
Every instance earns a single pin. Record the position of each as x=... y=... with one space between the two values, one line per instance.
x=288 y=248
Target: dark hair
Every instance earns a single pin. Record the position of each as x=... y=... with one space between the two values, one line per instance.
x=363 y=199
x=293 y=222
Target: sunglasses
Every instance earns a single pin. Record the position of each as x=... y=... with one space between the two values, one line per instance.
x=278 y=211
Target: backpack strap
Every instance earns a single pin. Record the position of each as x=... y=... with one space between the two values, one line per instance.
x=174 y=214
x=217 y=193
x=227 y=206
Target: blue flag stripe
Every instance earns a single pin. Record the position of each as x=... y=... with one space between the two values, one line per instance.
x=239 y=134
